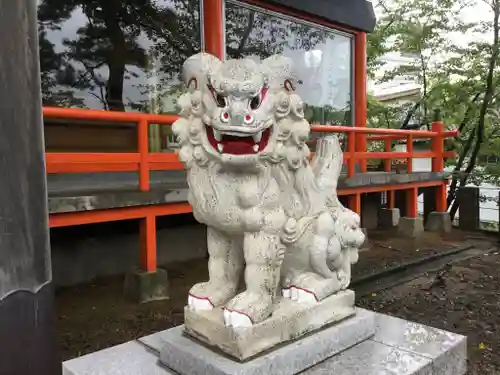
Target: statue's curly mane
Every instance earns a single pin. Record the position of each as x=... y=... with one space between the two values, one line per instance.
x=189 y=129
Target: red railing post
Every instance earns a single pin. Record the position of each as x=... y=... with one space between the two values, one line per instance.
x=143 y=146
x=409 y=150
x=438 y=147
x=388 y=148
x=438 y=164
x=351 y=151
x=148 y=243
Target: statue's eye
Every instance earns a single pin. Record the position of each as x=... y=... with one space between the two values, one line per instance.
x=255 y=102
x=221 y=100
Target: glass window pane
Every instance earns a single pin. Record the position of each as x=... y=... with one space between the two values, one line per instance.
x=322 y=57
x=116 y=55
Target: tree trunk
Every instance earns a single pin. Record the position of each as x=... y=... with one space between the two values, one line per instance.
x=463 y=155
x=117 y=59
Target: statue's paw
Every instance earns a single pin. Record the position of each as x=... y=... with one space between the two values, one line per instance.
x=344 y=279
x=206 y=296
x=199 y=303
x=310 y=288
x=246 y=309
x=299 y=295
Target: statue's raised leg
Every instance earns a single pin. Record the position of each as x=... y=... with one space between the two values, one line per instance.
x=224 y=268
x=263 y=256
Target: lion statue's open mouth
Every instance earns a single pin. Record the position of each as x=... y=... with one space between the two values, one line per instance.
x=238 y=143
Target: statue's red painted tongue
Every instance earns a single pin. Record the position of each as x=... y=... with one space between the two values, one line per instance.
x=238 y=145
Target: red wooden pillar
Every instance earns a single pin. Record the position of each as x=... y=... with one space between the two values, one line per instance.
x=411 y=202
x=148 y=243
x=391 y=199
x=213 y=27
x=441 y=204
x=360 y=92
x=354 y=203
x=147 y=231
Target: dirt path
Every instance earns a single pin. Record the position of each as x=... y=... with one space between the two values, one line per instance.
x=95 y=316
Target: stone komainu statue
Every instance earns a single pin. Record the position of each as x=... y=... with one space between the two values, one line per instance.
x=272 y=216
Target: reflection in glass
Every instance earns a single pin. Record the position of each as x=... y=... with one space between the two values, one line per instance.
x=115 y=54
x=322 y=57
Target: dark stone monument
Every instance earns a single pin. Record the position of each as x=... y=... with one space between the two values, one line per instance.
x=469 y=207
x=27 y=316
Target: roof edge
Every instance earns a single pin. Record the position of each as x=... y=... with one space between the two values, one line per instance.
x=358 y=15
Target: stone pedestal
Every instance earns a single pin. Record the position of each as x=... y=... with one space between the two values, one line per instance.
x=188 y=357
x=438 y=222
x=399 y=347
x=289 y=321
x=141 y=287
x=411 y=227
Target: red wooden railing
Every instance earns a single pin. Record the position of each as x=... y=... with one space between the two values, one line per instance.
x=144 y=161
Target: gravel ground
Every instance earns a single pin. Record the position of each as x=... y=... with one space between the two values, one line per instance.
x=463 y=298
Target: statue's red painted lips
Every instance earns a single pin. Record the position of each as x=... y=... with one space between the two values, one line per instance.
x=238 y=144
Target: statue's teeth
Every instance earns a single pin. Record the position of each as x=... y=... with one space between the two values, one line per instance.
x=220 y=147
x=256 y=148
x=257 y=137
x=217 y=135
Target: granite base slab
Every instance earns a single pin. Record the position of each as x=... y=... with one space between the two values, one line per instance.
x=399 y=347
x=188 y=357
x=289 y=321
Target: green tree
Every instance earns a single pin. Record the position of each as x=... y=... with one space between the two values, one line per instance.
x=458 y=80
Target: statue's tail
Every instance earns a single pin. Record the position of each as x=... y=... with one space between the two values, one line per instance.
x=327 y=163
x=327 y=166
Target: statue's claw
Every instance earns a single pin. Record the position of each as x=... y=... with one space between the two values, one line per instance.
x=309 y=287
x=197 y=303
x=299 y=295
x=236 y=319
x=207 y=295
x=247 y=308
